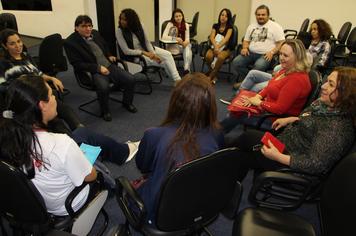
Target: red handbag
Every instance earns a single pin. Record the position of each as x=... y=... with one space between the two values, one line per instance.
x=237 y=108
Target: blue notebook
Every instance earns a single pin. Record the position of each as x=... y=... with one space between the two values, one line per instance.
x=90 y=152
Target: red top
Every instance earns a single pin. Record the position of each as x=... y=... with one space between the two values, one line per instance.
x=287 y=95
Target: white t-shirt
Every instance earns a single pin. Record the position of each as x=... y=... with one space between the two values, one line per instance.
x=65 y=168
x=263 y=38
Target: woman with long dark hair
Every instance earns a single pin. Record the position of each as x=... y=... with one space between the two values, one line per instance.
x=178 y=30
x=220 y=48
x=133 y=41
x=54 y=162
x=17 y=62
x=189 y=131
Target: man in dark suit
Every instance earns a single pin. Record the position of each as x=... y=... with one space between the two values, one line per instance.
x=87 y=51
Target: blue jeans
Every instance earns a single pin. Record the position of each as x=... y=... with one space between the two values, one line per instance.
x=112 y=150
x=241 y=63
x=255 y=80
x=231 y=122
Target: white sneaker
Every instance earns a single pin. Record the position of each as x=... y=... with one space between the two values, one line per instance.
x=225 y=101
x=133 y=148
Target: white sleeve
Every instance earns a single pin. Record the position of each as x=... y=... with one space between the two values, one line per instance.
x=247 y=36
x=187 y=33
x=166 y=31
x=279 y=33
x=123 y=45
x=76 y=164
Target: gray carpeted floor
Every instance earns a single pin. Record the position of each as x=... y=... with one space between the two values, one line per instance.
x=127 y=126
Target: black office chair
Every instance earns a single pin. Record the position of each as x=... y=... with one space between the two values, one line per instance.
x=23 y=207
x=349 y=58
x=146 y=69
x=337 y=207
x=204 y=47
x=51 y=56
x=193 y=26
x=178 y=57
x=233 y=19
x=193 y=31
x=344 y=32
x=8 y=20
x=292 y=34
x=85 y=80
x=191 y=197
x=51 y=59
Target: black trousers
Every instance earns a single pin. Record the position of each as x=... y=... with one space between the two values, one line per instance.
x=250 y=158
x=65 y=112
x=121 y=79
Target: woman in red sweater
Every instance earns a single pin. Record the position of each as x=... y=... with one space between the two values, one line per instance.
x=287 y=91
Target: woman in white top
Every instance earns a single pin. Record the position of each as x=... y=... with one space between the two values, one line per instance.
x=54 y=162
x=133 y=41
x=177 y=29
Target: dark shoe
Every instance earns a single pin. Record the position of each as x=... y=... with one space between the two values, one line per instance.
x=107 y=116
x=131 y=108
x=186 y=72
x=236 y=86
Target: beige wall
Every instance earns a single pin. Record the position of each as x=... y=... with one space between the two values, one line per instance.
x=59 y=20
x=144 y=9
x=209 y=12
x=290 y=14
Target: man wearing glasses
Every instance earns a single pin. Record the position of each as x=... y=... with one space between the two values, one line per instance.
x=87 y=51
x=261 y=42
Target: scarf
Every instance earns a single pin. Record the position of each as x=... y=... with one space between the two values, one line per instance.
x=181 y=30
x=321 y=109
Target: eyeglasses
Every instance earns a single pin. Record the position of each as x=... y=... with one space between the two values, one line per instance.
x=86 y=26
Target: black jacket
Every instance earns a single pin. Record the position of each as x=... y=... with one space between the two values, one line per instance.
x=80 y=54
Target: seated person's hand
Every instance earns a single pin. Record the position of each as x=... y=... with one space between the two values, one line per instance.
x=268 y=56
x=104 y=70
x=150 y=55
x=185 y=43
x=282 y=122
x=270 y=152
x=246 y=101
x=156 y=58
x=255 y=100
x=245 y=52
x=179 y=41
x=57 y=84
x=279 y=123
x=112 y=59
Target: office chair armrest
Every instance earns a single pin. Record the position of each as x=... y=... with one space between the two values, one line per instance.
x=128 y=198
x=289 y=33
x=284 y=191
x=72 y=195
x=204 y=46
x=339 y=47
x=123 y=63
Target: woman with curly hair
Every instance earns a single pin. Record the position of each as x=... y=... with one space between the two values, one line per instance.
x=319 y=48
x=133 y=41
